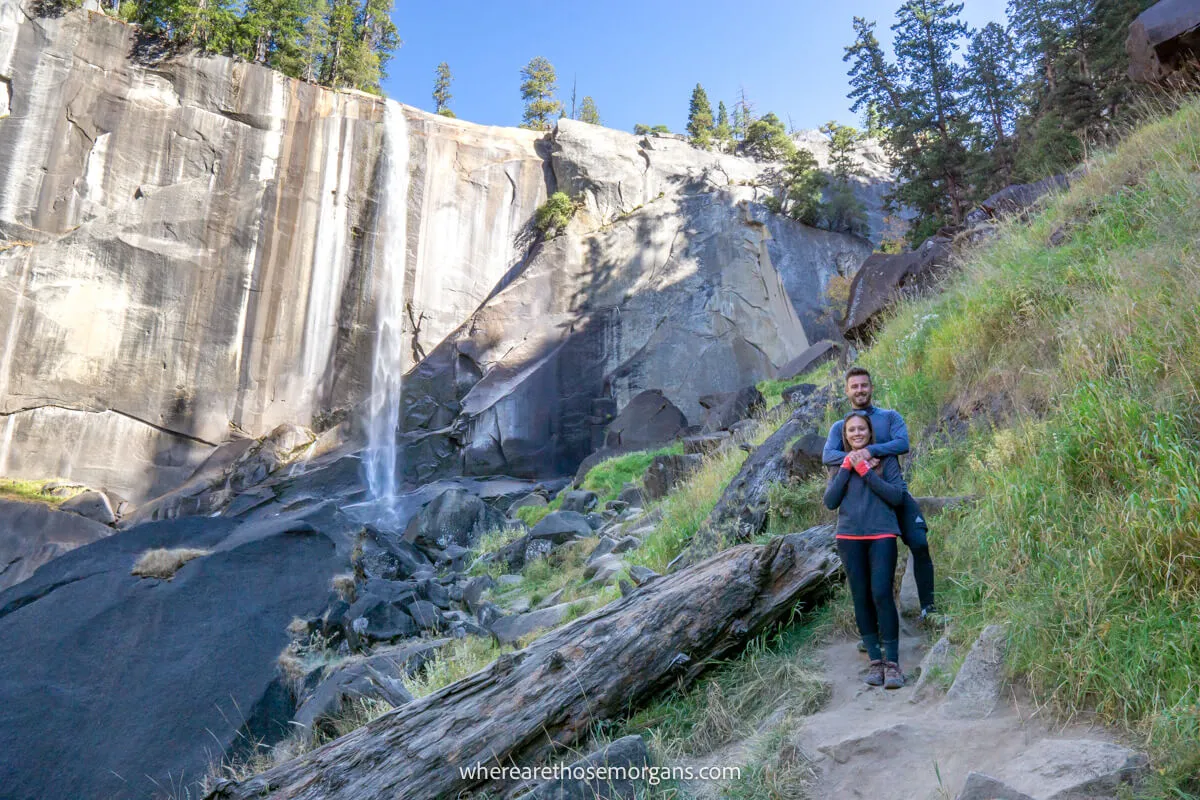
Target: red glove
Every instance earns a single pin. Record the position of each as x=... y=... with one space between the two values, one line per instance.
x=846 y=463
x=862 y=467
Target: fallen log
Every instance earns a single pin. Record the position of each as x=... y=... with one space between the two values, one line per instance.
x=526 y=705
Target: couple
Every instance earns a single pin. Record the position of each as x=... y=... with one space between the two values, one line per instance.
x=874 y=509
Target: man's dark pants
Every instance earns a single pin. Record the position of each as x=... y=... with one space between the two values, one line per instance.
x=914 y=534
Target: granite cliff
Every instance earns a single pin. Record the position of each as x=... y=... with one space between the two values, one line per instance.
x=192 y=253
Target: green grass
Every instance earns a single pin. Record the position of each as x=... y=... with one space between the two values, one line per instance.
x=608 y=477
x=32 y=491
x=1087 y=536
x=774 y=673
x=772 y=390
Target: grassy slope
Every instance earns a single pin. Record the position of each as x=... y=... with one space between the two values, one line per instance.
x=1087 y=538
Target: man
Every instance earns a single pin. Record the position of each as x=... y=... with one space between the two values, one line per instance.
x=891 y=439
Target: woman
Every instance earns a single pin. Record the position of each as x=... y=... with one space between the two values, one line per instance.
x=867 y=493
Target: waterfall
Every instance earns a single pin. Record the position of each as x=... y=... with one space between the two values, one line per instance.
x=388 y=266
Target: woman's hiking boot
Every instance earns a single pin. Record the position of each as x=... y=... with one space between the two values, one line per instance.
x=875 y=674
x=893 y=678
x=862 y=646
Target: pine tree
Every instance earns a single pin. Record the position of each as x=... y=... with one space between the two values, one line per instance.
x=803 y=184
x=927 y=33
x=843 y=141
x=700 y=119
x=441 y=90
x=767 y=139
x=537 y=90
x=588 y=112
x=722 y=132
x=207 y=24
x=873 y=81
x=314 y=40
x=992 y=95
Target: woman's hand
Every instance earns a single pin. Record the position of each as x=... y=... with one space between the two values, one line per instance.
x=874 y=462
x=856 y=456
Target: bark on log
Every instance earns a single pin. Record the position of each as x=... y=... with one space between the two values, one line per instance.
x=526 y=704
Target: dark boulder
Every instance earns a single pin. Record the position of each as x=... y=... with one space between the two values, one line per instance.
x=794 y=394
x=1016 y=200
x=884 y=278
x=385 y=555
x=456 y=516
x=377 y=619
x=32 y=534
x=741 y=511
x=379 y=676
x=649 y=420
x=474 y=590
x=579 y=500
x=804 y=456
x=581 y=782
x=725 y=408
x=561 y=527
x=816 y=355
x=117 y=686
x=92 y=505
x=1162 y=39
x=632 y=494
x=667 y=472
x=706 y=443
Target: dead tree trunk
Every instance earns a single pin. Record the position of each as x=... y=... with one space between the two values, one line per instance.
x=601 y=666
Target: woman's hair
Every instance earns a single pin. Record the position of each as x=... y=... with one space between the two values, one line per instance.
x=846 y=448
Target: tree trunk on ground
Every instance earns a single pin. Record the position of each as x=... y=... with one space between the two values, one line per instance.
x=528 y=704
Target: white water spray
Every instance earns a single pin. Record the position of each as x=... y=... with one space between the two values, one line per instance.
x=388 y=266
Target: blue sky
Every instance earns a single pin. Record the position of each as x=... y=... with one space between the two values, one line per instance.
x=640 y=60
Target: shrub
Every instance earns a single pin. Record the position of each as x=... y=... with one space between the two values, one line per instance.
x=554 y=214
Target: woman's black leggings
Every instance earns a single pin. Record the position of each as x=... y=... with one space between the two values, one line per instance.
x=871 y=569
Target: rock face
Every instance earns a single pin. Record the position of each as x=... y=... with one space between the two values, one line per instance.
x=32 y=534
x=138 y=670
x=201 y=234
x=200 y=252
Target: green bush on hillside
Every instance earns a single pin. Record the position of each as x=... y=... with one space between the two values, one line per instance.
x=1087 y=537
x=555 y=213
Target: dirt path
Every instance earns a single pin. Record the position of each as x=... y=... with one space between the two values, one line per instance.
x=872 y=743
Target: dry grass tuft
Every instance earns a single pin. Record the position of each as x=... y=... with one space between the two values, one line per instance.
x=163 y=563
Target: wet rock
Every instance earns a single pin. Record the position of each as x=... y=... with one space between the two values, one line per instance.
x=977 y=688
